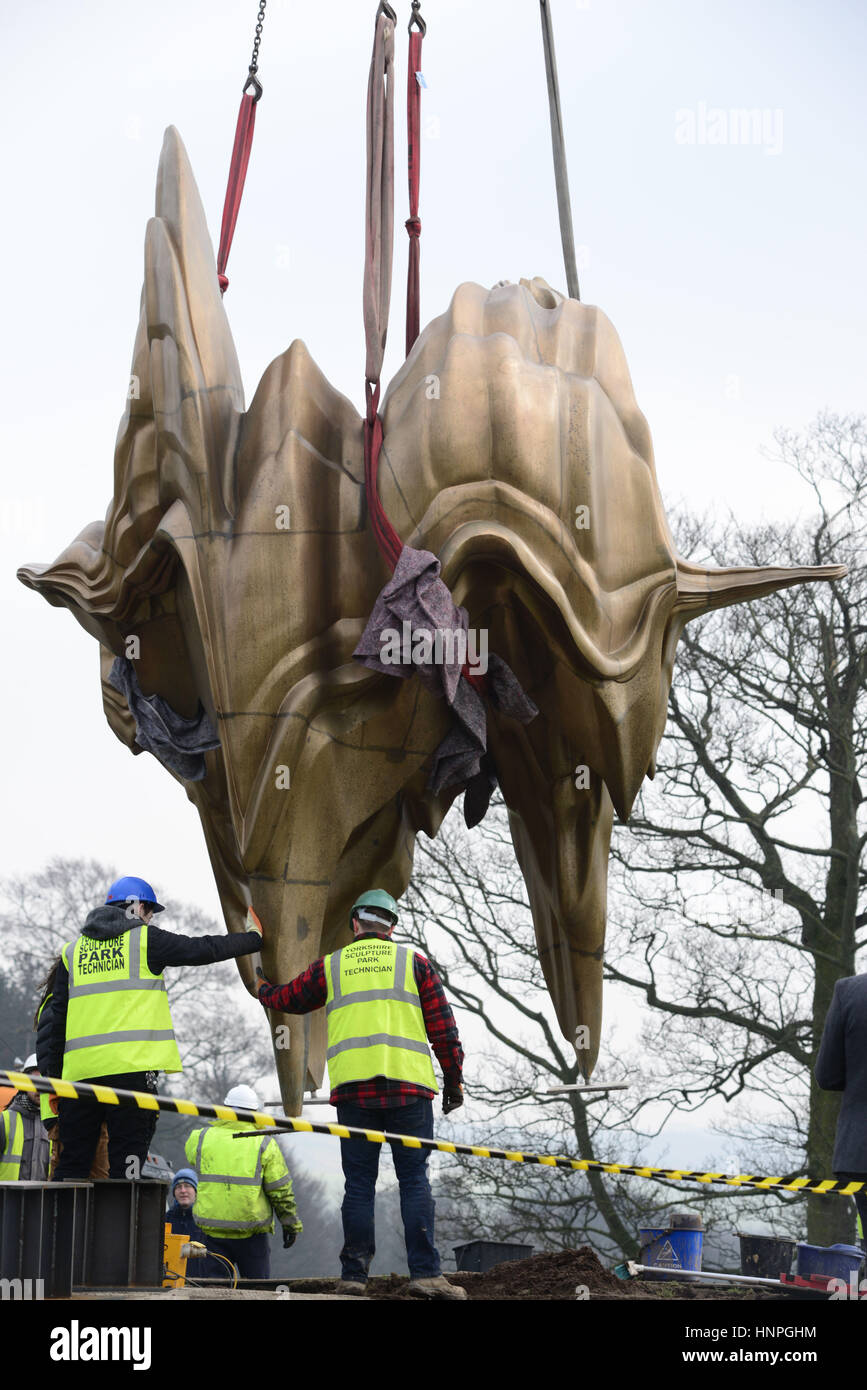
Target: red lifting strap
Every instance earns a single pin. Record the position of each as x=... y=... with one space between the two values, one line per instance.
x=389 y=542
x=413 y=224
x=235 y=186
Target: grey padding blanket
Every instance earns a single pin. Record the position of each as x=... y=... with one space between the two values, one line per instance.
x=416 y=595
x=180 y=744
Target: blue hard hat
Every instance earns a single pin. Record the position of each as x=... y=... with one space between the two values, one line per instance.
x=125 y=890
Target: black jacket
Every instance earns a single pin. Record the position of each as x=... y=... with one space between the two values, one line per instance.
x=164 y=948
x=842 y=1066
x=43 y=1037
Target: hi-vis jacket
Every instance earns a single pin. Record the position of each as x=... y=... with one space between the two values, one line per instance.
x=243 y=1183
x=374 y=1016
x=117 y=1017
x=11 y=1145
x=24 y=1144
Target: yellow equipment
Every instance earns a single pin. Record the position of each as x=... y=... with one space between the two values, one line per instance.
x=177 y=1249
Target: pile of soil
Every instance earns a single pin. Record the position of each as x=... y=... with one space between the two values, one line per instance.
x=567 y=1274
x=564 y=1275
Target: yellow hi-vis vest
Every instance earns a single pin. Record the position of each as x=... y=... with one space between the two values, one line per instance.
x=242 y=1182
x=374 y=1016
x=118 y=1017
x=11 y=1145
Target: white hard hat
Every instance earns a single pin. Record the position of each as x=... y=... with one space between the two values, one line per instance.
x=30 y=1063
x=244 y=1097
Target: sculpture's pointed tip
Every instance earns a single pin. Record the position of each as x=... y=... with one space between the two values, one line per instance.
x=701 y=589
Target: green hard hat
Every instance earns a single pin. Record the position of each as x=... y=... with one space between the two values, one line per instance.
x=375 y=897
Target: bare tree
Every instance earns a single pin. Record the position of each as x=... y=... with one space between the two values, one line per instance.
x=742 y=896
x=466 y=907
x=736 y=894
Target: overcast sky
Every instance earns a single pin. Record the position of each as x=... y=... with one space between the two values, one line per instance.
x=732 y=271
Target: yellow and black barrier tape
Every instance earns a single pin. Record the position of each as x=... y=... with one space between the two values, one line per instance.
x=147 y=1100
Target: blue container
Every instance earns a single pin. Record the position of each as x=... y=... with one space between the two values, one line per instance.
x=674 y=1249
x=835 y=1261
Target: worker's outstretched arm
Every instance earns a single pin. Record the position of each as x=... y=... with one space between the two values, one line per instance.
x=306 y=992
x=170 y=948
x=278 y=1188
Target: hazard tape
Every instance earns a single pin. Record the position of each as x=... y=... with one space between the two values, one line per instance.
x=146 y=1100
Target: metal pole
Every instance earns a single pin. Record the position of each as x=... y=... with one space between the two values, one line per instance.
x=633 y=1269
x=561 y=175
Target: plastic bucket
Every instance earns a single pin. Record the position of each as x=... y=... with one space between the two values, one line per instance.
x=766 y=1257
x=674 y=1249
x=835 y=1261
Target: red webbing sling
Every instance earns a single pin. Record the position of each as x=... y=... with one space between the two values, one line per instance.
x=235 y=185
x=240 y=154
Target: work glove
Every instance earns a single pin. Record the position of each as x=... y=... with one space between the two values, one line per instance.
x=262 y=981
x=453 y=1096
x=253 y=924
x=290 y=1235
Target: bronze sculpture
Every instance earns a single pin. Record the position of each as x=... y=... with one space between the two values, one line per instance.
x=237 y=569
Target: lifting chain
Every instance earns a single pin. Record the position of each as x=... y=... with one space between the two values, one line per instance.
x=252 y=80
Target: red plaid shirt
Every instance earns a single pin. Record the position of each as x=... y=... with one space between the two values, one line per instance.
x=309 y=991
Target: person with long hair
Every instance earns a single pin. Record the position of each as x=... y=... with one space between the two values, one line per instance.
x=42 y=1022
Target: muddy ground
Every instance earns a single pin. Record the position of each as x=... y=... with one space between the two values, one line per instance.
x=557 y=1277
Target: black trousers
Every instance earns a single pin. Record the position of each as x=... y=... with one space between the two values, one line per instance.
x=130 y=1130
x=251 y=1255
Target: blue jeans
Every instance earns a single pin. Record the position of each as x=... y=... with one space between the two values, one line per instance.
x=360 y=1167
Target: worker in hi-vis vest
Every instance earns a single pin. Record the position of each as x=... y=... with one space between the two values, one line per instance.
x=24 y=1144
x=111 y=1023
x=243 y=1185
x=384 y=1004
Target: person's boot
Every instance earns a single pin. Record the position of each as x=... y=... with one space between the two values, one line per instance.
x=438 y=1287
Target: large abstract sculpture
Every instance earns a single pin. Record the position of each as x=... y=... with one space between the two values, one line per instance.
x=237 y=556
